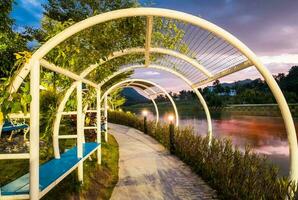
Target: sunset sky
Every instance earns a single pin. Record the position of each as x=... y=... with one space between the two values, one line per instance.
x=269 y=28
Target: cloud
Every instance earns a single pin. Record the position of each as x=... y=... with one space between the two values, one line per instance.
x=269 y=28
x=165 y=79
x=34 y=3
x=280 y=59
x=151 y=73
x=34 y=7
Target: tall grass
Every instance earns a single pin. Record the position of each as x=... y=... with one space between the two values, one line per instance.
x=232 y=173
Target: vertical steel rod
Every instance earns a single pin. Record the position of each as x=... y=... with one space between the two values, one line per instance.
x=34 y=130
x=98 y=122
x=80 y=130
x=106 y=116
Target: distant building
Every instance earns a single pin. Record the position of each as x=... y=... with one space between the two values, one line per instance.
x=231 y=93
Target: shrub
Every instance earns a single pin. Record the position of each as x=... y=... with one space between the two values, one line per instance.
x=234 y=174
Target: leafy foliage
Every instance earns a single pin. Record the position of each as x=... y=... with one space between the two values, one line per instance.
x=14 y=102
x=77 y=10
x=116 y=98
x=10 y=41
x=97 y=43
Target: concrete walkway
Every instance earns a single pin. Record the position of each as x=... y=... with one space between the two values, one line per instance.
x=148 y=171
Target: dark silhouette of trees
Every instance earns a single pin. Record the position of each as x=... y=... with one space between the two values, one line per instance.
x=246 y=92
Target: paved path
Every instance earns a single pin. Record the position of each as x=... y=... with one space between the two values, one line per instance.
x=148 y=171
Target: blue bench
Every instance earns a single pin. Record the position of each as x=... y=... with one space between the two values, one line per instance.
x=8 y=126
x=13 y=128
x=50 y=171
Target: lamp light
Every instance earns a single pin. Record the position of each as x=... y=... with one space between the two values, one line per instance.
x=171 y=118
x=145 y=113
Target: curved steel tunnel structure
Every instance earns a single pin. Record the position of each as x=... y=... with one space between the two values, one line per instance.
x=212 y=53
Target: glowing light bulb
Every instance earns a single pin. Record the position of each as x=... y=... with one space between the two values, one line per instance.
x=144 y=113
x=171 y=118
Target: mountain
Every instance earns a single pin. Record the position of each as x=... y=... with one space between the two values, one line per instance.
x=133 y=97
x=242 y=82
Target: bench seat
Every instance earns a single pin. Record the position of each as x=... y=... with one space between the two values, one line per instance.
x=8 y=126
x=50 y=171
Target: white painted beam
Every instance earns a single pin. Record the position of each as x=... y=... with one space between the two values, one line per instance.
x=65 y=72
x=69 y=113
x=224 y=73
x=98 y=124
x=12 y=156
x=34 y=130
x=67 y=136
x=90 y=127
x=80 y=130
x=19 y=116
x=15 y=197
x=106 y=116
x=149 y=27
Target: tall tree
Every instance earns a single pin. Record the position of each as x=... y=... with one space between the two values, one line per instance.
x=290 y=82
x=77 y=10
x=10 y=41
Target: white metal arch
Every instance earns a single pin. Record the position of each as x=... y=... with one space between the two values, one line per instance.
x=148 y=95
x=191 y=61
x=34 y=65
x=117 y=54
x=66 y=97
x=176 y=73
x=150 y=82
x=151 y=99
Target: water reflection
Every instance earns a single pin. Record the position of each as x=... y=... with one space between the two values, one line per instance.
x=265 y=135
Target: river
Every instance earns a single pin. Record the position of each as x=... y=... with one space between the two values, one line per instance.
x=265 y=135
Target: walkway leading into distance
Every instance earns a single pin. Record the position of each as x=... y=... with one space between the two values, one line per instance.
x=148 y=171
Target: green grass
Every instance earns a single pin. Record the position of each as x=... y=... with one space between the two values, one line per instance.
x=12 y=169
x=99 y=180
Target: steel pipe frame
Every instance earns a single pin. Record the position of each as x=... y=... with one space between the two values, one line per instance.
x=105 y=112
x=34 y=130
x=152 y=100
x=149 y=28
x=147 y=94
x=188 y=82
x=98 y=124
x=80 y=130
x=132 y=12
x=105 y=98
x=193 y=62
x=140 y=90
x=117 y=54
x=25 y=70
x=88 y=70
x=65 y=72
x=152 y=83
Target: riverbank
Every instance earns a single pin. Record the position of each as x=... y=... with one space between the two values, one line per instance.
x=192 y=107
x=234 y=174
x=99 y=180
